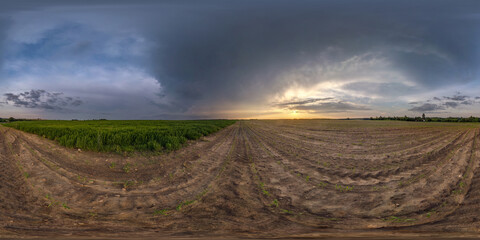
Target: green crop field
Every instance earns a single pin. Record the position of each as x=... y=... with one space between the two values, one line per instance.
x=121 y=136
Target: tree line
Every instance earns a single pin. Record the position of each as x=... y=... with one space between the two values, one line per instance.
x=429 y=119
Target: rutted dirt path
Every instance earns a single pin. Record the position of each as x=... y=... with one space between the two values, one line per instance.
x=255 y=178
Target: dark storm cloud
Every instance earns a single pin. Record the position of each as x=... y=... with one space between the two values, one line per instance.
x=41 y=99
x=236 y=51
x=426 y=107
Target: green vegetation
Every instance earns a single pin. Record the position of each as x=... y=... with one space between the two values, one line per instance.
x=321 y=184
x=343 y=188
x=286 y=211
x=430 y=213
x=128 y=183
x=184 y=203
x=92 y=214
x=126 y=168
x=11 y=119
x=122 y=136
x=262 y=187
x=163 y=212
x=112 y=165
x=64 y=205
x=275 y=203
x=460 y=188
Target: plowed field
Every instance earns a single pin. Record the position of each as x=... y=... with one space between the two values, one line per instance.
x=278 y=178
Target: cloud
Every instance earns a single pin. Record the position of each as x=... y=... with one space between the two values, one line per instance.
x=320 y=105
x=329 y=107
x=457 y=98
x=426 y=107
x=301 y=102
x=385 y=89
x=228 y=55
x=41 y=99
x=451 y=104
x=437 y=103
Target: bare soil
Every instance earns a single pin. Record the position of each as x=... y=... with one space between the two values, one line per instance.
x=254 y=179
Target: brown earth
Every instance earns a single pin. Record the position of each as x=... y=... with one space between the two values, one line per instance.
x=254 y=179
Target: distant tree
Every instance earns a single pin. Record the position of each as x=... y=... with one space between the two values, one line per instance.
x=423 y=116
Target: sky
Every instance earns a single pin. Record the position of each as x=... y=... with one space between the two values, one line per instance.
x=203 y=59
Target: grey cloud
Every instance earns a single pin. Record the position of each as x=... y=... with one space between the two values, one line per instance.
x=229 y=55
x=442 y=103
x=338 y=106
x=41 y=99
x=451 y=104
x=302 y=102
x=426 y=107
x=457 y=98
x=320 y=105
x=4 y=23
x=76 y=102
x=381 y=89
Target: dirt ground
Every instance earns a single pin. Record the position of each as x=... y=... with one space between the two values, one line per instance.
x=254 y=179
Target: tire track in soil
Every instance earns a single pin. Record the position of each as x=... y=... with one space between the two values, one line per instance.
x=346 y=177
x=461 y=140
x=17 y=203
x=464 y=217
x=235 y=199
